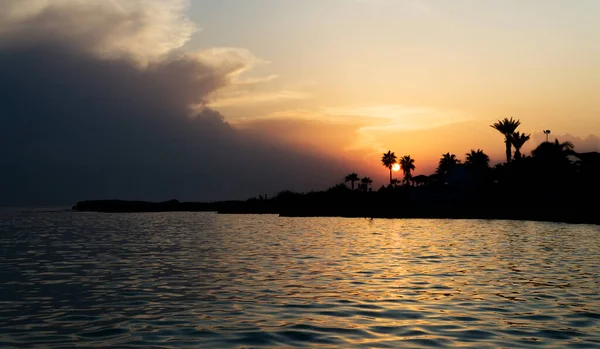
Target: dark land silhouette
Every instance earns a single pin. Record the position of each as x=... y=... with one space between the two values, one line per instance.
x=553 y=183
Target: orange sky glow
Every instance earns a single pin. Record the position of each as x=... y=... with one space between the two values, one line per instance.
x=357 y=78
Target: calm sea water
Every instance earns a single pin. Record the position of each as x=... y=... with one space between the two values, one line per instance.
x=202 y=280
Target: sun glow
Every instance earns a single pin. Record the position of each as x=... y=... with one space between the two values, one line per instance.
x=396 y=167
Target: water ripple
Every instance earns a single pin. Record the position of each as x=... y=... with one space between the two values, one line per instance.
x=188 y=280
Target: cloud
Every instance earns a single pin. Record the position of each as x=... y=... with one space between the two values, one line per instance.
x=359 y=134
x=142 y=30
x=373 y=124
x=96 y=101
x=420 y=6
x=401 y=117
x=391 y=117
x=244 y=98
x=324 y=133
x=582 y=145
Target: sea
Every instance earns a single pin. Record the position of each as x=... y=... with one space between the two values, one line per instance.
x=208 y=280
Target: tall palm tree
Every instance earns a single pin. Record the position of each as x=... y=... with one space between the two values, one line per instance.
x=366 y=182
x=507 y=127
x=352 y=177
x=517 y=140
x=388 y=160
x=477 y=159
x=447 y=162
x=407 y=164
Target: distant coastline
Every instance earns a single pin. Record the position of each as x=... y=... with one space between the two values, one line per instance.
x=453 y=209
x=554 y=184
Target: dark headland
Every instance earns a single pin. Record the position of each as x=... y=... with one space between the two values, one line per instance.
x=554 y=184
x=341 y=202
x=519 y=190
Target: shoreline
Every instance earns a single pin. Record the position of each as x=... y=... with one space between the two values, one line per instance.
x=573 y=215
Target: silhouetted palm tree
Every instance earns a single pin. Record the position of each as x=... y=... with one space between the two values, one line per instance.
x=557 y=151
x=407 y=164
x=388 y=160
x=517 y=140
x=477 y=159
x=478 y=165
x=507 y=127
x=447 y=162
x=366 y=182
x=352 y=177
x=552 y=163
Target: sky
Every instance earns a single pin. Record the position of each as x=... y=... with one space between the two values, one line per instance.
x=229 y=99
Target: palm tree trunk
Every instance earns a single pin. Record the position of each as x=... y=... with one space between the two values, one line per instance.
x=390 y=176
x=352 y=182
x=508 y=149
x=517 y=154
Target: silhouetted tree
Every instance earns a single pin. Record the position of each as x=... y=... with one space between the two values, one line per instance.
x=507 y=127
x=478 y=160
x=420 y=180
x=339 y=190
x=549 y=174
x=517 y=140
x=588 y=167
x=388 y=160
x=286 y=195
x=478 y=164
x=556 y=153
x=447 y=163
x=366 y=183
x=407 y=164
x=352 y=177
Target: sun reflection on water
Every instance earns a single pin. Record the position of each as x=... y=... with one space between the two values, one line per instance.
x=189 y=280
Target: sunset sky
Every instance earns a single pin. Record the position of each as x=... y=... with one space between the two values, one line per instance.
x=266 y=95
x=445 y=68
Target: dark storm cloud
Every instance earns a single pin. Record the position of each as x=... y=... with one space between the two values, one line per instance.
x=80 y=122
